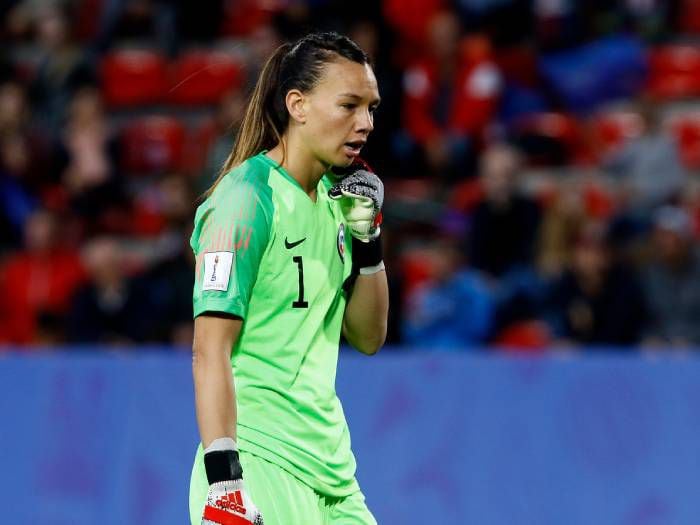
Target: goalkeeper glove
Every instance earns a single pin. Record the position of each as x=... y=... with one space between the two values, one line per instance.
x=227 y=501
x=361 y=196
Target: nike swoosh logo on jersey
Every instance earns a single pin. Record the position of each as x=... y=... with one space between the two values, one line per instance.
x=290 y=245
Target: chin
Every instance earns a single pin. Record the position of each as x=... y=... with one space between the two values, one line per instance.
x=344 y=161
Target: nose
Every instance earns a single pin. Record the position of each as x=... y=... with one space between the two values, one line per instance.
x=365 y=121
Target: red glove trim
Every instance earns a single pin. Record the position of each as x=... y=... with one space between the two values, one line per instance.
x=223 y=517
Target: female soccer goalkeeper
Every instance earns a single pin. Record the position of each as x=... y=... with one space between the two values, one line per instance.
x=288 y=255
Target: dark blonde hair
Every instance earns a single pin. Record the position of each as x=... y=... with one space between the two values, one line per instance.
x=292 y=66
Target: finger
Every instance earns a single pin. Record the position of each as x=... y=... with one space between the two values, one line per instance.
x=356 y=196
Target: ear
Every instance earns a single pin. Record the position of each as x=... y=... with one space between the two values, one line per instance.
x=296 y=105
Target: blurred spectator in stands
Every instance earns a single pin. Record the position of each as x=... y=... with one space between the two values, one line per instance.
x=64 y=66
x=649 y=167
x=111 y=307
x=87 y=156
x=17 y=201
x=450 y=96
x=16 y=17
x=504 y=225
x=227 y=120
x=38 y=281
x=167 y=284
x=14 y=111
x=24 y=161
x=561 y=223
x=502 y=235
x=672 y=281
x=598 y=300
x=453 y=309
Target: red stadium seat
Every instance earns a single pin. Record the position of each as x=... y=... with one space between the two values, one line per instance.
x=199 y=141
x=202 y=77
x=613 y=129
x=243 y=17
x=524 y=337
x=133 y=77
x=686 y=129
x=153 y=144
x=674 y=72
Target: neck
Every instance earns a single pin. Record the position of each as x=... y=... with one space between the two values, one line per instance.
x=306 y=169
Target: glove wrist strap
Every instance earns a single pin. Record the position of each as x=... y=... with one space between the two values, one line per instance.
x=222 y=464
x=367 y=256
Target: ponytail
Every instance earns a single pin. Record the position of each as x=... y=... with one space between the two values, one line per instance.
x=264 y=121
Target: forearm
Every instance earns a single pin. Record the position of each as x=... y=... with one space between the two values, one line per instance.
x=215 y=400
x=365 y=321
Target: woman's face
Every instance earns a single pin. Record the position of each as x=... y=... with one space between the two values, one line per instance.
x=339 y=112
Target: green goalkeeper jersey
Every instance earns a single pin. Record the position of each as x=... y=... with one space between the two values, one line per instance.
x=267 y=253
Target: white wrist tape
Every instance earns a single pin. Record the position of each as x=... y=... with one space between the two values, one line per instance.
x=369 y=270
x=225 y=443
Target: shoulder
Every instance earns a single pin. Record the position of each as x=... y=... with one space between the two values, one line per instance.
x=241 y=196
x=249 y=177
x=244 y=186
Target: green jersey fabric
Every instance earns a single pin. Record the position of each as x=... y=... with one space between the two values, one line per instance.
x=269 y=254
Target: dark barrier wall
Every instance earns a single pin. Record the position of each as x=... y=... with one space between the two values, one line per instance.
x=92 y=437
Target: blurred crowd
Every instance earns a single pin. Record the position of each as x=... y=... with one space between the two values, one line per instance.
x=541 y=161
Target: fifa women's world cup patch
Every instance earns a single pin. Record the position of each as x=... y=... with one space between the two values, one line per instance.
x=341 y=242
x=217 y=270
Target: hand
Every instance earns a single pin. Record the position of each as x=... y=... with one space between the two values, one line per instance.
x=361 y=196
x=227 y=501
x=229 y=504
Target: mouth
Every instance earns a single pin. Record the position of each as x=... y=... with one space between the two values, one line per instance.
x=353 y=148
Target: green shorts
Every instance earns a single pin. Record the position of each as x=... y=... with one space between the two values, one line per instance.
x=281 y=498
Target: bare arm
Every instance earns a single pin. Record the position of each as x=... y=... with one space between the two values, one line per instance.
x=215 y=397
x=365 y=321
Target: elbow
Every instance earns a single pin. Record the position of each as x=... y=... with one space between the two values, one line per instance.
x=372 y=345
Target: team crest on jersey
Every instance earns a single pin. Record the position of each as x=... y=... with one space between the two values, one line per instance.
x=341 y=242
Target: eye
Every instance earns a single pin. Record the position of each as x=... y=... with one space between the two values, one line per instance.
x=349 y=105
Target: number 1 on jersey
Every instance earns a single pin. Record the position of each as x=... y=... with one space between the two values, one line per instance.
x=300 y=302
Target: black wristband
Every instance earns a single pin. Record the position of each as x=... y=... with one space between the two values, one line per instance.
x=222 y=465
x=366 y=254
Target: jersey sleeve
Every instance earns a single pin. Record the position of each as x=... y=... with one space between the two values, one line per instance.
x=231 y=232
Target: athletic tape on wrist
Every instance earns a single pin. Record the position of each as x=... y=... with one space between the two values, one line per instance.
x=370 y=270
x=366 y=254
x=222 y=464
